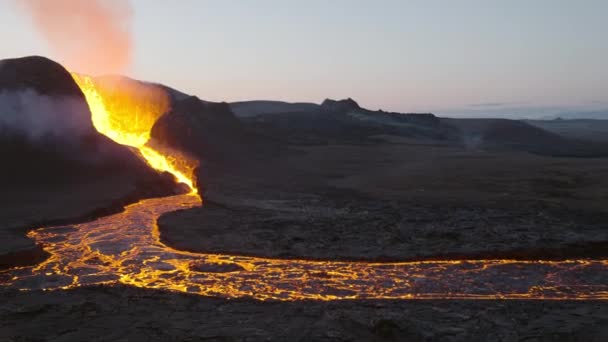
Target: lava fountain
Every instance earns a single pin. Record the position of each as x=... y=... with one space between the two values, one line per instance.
x=125 y=112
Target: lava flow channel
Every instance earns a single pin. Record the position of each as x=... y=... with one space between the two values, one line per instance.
x=126 y=248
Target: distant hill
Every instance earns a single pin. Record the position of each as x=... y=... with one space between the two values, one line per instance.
x=36 y=73
x=595 y=114
x=504 y=134
x=343 y=120
x=581 y=129
x=241 y=130
x=245 y=109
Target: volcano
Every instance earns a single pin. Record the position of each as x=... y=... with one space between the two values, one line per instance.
x=47 y=116
x=125 y=111
x=50 y=146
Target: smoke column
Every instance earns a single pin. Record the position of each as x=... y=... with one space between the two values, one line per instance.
x=87 y=36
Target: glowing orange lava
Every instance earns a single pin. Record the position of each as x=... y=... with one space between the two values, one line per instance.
x=125 y=249
x=125 y=111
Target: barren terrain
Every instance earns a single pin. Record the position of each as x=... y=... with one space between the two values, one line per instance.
x=130 y=314
x=398 y=202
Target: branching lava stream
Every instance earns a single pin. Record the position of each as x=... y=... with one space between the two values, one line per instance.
x=125 y=248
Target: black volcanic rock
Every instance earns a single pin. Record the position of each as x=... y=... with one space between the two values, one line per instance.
x=345 y=121
x=36 y=73
x=216 y=267
x=210 y=133
x=200 y=128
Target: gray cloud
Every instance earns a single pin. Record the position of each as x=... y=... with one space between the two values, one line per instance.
x=495 y=104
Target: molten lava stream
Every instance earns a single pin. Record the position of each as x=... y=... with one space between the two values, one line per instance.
x=125 y=111
x=125 y=249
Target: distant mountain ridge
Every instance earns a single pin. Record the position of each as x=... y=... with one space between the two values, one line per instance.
x=343 y=120
x=244 y=109
x=592 y=114
x=579 y=129
x=221 y=131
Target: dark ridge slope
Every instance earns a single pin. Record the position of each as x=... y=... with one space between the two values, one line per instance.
x=504 y=134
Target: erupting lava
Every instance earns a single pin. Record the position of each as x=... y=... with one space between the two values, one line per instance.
x=126 y=113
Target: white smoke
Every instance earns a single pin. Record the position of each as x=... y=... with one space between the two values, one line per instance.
x=473 y=141
x=37 y=116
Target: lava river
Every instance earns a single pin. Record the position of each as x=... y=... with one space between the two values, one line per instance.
x=125 y=248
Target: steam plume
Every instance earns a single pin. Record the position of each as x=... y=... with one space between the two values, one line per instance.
x=34 y=116
x=88 y=36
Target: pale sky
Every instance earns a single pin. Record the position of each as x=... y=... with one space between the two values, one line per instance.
x=440 y=56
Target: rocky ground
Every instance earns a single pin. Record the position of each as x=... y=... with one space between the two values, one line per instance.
x=363 y=228
x=29 y=206
x=400 y=201
x=130 y=314
x=393 y=201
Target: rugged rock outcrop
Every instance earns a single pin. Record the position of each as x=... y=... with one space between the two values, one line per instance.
x=210 y=133
x=37 y=73
x=330 y=105
x=200 y=128
x=346 y=121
